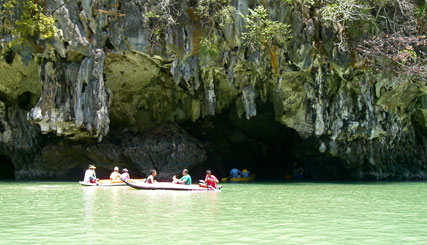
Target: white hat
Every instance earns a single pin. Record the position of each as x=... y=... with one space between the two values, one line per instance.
x=116 y=168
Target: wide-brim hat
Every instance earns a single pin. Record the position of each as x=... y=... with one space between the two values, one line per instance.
x=92 y=166
x=125 y=170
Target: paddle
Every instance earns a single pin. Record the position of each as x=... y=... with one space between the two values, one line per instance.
x=226 y=179
x=208 y=186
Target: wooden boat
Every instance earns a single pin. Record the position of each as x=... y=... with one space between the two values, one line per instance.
x=238 y=179
x=108 y=182
x=169 y=186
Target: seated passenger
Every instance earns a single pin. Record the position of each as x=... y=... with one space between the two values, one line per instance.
x=90 y=175
x=235 y=173
x=299 y=173
x=210 y=179
x=150 y=179
x=298 y=170
x=125 y=174
x=245 y=173
x=115 y=175
x=185 y=179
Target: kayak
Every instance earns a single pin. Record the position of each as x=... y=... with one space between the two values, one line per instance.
x=238 y=179
x=108 y=182
x=169 y=186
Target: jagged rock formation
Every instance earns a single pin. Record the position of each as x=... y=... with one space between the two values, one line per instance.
x=73 y=97
x=104 y=68
x=168 y=149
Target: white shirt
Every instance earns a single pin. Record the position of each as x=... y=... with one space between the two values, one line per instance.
x=114 y=176
x=88 y=173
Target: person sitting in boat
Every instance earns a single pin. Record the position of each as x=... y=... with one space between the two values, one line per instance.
x=245 y=173
x=210 y=179
x=115 y=175
x=150 y=179
x=125 y=174
x=235 y=173
x=90 y=175
x=298 y=170
x=185 y=179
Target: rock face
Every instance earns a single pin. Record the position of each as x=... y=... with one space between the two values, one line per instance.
x=74 y=100
x=168 y=149
x=108 y=73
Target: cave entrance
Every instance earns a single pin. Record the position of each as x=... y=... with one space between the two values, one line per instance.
x=7 y=169
x=260 y=144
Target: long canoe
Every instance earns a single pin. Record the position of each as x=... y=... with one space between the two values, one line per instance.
x=169 y=186
x=239 y=179
x=107 y=182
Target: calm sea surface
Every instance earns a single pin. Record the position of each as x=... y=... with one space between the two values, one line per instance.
x=258 y=213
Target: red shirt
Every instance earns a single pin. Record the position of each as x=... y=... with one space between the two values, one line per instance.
x=211 y=183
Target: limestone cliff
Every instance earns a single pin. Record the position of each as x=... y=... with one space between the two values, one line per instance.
x=109 y=74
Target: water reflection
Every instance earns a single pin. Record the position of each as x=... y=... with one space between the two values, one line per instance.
x=88 y=201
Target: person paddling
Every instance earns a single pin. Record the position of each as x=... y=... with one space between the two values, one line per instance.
x=150 y=179
x=210 y=179
x=90 y=175
x=185 y=179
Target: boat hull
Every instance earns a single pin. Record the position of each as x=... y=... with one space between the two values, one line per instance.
x=238 y=179
x=169 y=186
x=107 y=182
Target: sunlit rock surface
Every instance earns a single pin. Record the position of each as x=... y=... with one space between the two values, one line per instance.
x=104 y=74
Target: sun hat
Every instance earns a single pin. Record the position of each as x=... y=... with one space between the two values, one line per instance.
x=125 y=170
x=92 y=166
x=116 y=168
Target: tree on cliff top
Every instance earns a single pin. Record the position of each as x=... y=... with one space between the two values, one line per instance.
x=26 y=21
x=262 y=31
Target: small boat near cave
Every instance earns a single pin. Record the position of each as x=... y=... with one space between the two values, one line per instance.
x=170 y=186
x=108 y=182
x=237 y=180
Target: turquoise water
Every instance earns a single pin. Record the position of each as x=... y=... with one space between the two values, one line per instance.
x=259 y=213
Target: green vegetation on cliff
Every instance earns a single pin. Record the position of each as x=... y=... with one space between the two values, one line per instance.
x=26 y=21
x=388 y=34
x=345 y=77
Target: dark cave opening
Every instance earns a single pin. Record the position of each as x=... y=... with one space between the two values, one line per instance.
x=9 y=56
x=259 y=144
x=27 y=100
x=7 y=167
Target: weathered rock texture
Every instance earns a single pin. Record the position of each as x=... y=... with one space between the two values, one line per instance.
x=104 y=69
x=74 y=100
x=168 y=149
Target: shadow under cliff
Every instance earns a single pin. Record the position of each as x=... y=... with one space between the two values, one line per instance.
x=7 y=168
x=259 y=144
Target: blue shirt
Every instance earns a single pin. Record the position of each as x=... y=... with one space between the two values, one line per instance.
x=235 y=173
x=245 y=174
